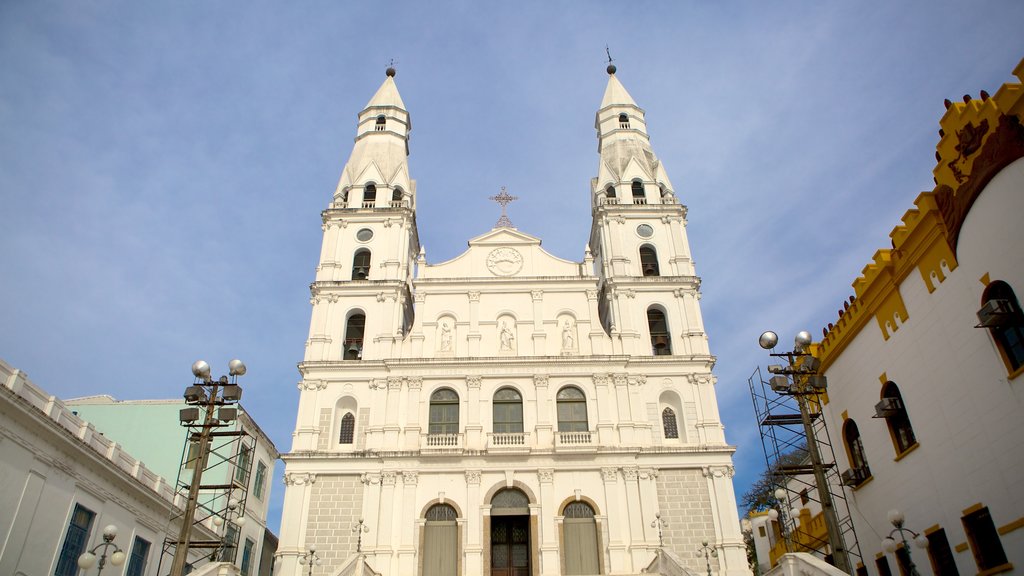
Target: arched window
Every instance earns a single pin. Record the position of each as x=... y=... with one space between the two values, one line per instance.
x=369 y=195
x=354 y=336
x=396 y=198
x=580 y=537
x=668 y=422
x=508 y=411
x=348 y=429
x=1001 y=314
x=572 y=410
x=361 y=264
x=894 y=411
x=648 y=260
x=623 y=121
x=609 y=192
x=444 y=412
x=661 y=342
x=638 y=192
x=381 y=122
x=855 y=450
x=440 y=540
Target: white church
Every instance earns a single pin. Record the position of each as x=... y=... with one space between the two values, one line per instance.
x=507 y=412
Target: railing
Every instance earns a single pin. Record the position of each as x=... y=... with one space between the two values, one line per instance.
x=369 y=203
x=398 y=204
x=624 y=125
x=443 y=440
x=508 y=439
x=638 y=200
x=607 y=200
x=573 y=438
x=810 y=536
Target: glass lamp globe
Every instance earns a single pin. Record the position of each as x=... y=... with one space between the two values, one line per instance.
x=118 y=558
x=895 y=517
x=110 y=532
x=780 y=494
x=889 y=545
x=218 y=521
x=240 y=521
x=302 y=559
x=794 y=513
x=87 y=560
x=773 y=514
x=921 y=541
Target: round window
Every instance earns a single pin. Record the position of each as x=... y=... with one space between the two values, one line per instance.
x=645 y=230
x=364 y=234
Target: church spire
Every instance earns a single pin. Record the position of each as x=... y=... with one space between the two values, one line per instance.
x=377 y=172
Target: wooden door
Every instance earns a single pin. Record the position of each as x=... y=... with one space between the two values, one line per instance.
x=510 y=546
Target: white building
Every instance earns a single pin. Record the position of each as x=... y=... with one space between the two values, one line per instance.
x=507 y=411
x=63 y=482
x=924 y=365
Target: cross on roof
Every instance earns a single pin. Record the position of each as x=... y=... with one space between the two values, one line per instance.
x=504 y=199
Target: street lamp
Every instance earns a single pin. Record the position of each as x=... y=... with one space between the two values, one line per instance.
x=659 y=523
x=890 y=546
x=204 y=395
x=709 y=552
x=218 y=521
x=799 y=378
x=311 y=558
x=88 y=559
x=360 y=528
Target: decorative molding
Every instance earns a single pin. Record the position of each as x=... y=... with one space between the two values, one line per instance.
x=378 y=384
x=410 y=477
x=474 y=295
x=537 y=295
x=472 y=476
x=591 y=294
x=299 y=479
x=638 y=380
x=630 y=473
x=540 y=380
x=648 y=473
x=621 y=379
x=420 y=296
x=473 y=382
x=388 y=477
x=718 y=471
x=370 y=478
x=609 y=474
x=394 y=383
x=312 y=385
x=546 y=475
x=602 y=379
x=415 y=382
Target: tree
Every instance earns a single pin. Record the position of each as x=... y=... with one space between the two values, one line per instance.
x=761 y=494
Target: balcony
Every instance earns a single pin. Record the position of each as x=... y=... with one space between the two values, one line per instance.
x=573 y=440
x=442 y=443
x=508 y=442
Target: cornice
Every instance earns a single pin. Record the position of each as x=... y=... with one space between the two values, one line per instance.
x=598 y=363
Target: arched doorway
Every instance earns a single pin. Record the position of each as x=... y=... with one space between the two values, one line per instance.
x=581 y=551
x=510 y=533
x=441 y=541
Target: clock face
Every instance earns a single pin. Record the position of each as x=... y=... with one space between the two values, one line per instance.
x=504 y=261
x=645 y=231
x=364 y=234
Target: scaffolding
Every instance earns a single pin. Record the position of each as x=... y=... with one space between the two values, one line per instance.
x=785 y=438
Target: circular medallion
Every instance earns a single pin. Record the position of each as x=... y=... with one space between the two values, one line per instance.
x=645 y=231
x=364 y=234
x=504 y=261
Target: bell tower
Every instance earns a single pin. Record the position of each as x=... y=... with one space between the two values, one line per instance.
x=648 y=287
x=362 y=304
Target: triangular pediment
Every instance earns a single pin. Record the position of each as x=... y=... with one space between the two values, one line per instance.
x=505 y=237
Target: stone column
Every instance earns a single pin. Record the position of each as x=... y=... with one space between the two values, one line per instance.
x=545 y=429
x=386 y=542
x=625 y=423
x=413 y=430
x=391 y=427
x=473 y=548
x=607 y=410
x=548 y=536
x=618 y=520
x=474 y=430
x=727 y=538
x=407 y=546
x=597 y=335
x=637 y=548
x=297 y=492
x=473 y=338
x=539 y=336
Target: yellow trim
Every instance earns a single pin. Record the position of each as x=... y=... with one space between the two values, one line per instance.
x=861 y=485
x=1015 y=373
x=931 y=263
x=932 y=529
x=973 y=508
x=961 y=547
x=997 y=569
x=909 y=449
x=883 y=378
x=1007 y=528
x=985 y=280
x=879 y=555
x=845 y=416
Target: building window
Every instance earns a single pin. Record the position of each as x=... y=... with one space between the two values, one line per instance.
x=508 y=411
x=661 y=342
x=903 y=560
x=580 y=536
x=192 y=457
x=623 y=121
x=244 y=461
x=361 y=264
x=855 y=451
x=396 y=198
x=609 y=192
x=347 y=434
x=247 y=557
x=74 y=541
x=440 y=540
x=444 y=412
x=227 y=551
x=805 y=497
x=1001 y=314
x=572 y=410
x=139 y=557
x=940 y=554
x=638 y=193
x=648 y=260
x=862 y=570
x=984 y=539
x=381 y=123
x=260 y=480
x=894 y=411
x=668 y=422
x=882 y=563
x=354 y=336
x=369 y=195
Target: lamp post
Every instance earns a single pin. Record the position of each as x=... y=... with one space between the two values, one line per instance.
x=360 y=528
x=88 y=559
x=215 y=397
x=659 y=523
x=709 y=552
x=310 y=558
x=799 y=378
x=218 y=521
x=889 y=544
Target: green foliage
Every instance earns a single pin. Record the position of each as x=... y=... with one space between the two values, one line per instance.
x=761 y=495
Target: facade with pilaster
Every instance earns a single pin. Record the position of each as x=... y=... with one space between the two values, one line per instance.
x=507 y=411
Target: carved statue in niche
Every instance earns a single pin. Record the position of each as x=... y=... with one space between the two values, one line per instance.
x=568 y=336
x=506 y=338
x=446 y=337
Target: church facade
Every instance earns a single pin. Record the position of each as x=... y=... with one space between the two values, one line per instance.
x=507 y=412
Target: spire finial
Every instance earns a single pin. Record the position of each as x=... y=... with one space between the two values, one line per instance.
x=611 y=67
x=504 y=199
x=391 y=68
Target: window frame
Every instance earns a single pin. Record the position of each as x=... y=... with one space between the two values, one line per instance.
x=668 y=415
x=347 y=429
x=983 y=539
x=568 y=410
x=901 y=431
x=259 y=480
x=855 y=452
x=137 y=562
x=1009 y=339
x=652 y=323
x=443 y=412
x=649 y=257
x=513 y=424
x=76 y=541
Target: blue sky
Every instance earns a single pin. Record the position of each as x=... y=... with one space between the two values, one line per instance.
x=163 y=166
